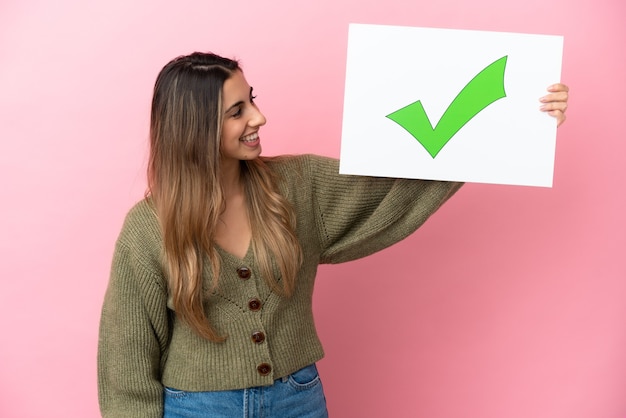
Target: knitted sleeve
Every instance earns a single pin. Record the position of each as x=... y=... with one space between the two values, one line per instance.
x=358 y=215
x=133 y=332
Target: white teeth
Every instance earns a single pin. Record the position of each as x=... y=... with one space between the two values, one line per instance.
x=250 y=138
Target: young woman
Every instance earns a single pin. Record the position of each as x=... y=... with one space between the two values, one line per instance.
x=208 y=310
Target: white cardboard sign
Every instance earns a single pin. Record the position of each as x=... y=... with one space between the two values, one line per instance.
x=444 y=104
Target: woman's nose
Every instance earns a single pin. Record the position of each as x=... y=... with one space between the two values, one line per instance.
x=257 y=119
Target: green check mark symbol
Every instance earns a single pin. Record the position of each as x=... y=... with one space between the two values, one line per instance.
x=485 y=88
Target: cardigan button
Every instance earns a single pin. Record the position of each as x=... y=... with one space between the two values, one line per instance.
x=264 y=369
x=258 y=337
x=254 y=304
x=244 y=273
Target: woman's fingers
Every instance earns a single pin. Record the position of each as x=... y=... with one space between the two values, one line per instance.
x=555 y=103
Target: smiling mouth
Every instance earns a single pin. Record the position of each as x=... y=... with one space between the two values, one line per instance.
x=250 y=138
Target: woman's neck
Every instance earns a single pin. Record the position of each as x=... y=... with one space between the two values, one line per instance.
x=231 y=178
x=233 y=233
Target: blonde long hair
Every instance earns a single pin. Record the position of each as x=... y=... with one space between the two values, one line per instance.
x=184 y=185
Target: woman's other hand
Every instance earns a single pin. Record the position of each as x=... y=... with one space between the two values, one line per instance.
x=555 y=103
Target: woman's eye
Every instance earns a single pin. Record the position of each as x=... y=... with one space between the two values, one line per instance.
x=252 y=99
x=237 y=113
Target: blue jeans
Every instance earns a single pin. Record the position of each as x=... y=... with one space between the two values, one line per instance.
x=299 y=395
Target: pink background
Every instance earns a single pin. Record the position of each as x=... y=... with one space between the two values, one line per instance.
x=510 y=302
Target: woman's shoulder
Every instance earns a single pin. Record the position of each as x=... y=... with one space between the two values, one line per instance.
x=141 y=224
x=140 y=242
x=301 y=164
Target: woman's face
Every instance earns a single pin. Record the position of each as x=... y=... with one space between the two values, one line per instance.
x=241 y=120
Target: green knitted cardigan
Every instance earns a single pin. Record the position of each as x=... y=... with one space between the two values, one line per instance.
x=142 y=347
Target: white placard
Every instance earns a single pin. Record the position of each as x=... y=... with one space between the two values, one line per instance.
x=428 y=72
